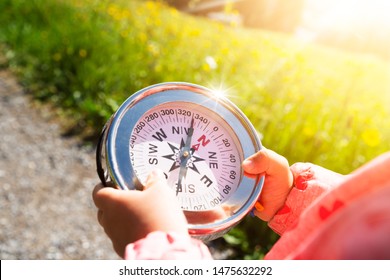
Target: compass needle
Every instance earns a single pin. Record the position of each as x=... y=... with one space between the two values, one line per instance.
x=184 y=158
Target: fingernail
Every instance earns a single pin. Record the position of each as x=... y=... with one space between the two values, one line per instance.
x=248 y=163
x=155 y=177
x=156 y=174
x=259 y=207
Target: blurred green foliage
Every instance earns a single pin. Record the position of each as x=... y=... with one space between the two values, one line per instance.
x=309 y=103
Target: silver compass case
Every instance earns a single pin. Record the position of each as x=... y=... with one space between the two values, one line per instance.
x=114 y=148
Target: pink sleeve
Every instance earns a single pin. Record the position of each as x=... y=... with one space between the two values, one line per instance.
x=167 y=246
x=349 y=220
x=310 y=182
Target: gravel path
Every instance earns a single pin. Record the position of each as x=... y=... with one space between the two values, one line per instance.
x=45 y=186
x=46 y=182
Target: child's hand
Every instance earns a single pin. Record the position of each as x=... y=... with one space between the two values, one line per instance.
x=127 y=216
x=277 y=184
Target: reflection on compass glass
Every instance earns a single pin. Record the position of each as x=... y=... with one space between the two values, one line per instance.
x=196 y=148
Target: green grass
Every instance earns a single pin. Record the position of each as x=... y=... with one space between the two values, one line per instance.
x=309 y=103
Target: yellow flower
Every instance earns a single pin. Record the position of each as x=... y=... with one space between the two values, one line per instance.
x=371 y=137
x=206 y=67
x=194 y=32
x=126 y=14
x=57 y=57
x=112 y=10
x=124 y=33
x=142 y=37
x=82 y=53
x=150 y=5
x=308 y=131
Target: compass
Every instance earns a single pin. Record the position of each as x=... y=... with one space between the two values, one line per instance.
x=198 y=139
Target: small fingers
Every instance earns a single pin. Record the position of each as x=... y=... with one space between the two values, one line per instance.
x=102 y=194
x=257 y=163
x=156 y=178
x=97 y=188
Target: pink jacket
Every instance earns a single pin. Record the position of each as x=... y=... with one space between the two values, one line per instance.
x=325 y=216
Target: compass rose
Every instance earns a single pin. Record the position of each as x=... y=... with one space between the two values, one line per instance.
x=176 y=157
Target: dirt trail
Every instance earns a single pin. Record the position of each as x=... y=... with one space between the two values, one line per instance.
x=46 y=181
x=45 y=186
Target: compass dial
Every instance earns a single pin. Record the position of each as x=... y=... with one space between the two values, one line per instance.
x=197 y=150
x=198 y=139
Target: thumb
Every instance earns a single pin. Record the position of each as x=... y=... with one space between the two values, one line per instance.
x=156 y=178
x=266 y=161
x=257 y=163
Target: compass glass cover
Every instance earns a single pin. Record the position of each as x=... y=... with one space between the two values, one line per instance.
x=196 y=148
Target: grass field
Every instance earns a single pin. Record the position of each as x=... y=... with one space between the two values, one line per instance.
x=308 y=102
